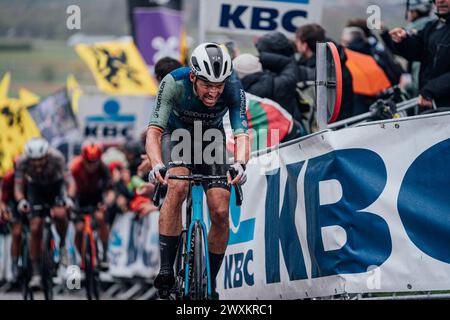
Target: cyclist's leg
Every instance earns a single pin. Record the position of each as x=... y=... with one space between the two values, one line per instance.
x=36 y=224
x=218 y=199
x=170 y=219
x=16 y=232
x=103 y=231
x=60 y=216
x=61 y=221
x=79 y=227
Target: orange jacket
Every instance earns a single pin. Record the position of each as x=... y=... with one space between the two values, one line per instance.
x=368 y=77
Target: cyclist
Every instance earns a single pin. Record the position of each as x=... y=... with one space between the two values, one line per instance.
x=187 y=97
x=42 y=170
x=91 y=180
x=9 y=213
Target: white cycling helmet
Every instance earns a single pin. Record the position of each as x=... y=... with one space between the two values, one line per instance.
x=211 y=62
x=36 y=148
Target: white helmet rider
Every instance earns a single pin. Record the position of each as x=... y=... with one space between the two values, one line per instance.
x=36 y=148
x=211 y=62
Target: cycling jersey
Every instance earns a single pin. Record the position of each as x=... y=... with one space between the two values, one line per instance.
x=54 y=170
x=90 y=185
x=177 y=105
x=8 y=187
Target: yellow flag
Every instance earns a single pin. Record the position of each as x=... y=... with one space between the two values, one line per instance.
x=28 y=98
x=183 y=47
x=17 y=127
x=73 y=90
x=118 y=68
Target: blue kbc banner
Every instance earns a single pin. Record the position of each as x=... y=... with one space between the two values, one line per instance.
x=363 y=209
x=257 y=17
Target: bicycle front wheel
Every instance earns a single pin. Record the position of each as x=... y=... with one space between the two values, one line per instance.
x=90 y=265
x=48 y=264
x=26 y=270
x=197 y=283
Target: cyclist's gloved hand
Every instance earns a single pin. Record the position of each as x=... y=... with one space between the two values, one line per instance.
x=23 y=206
x=241 y=176
x=155 y=174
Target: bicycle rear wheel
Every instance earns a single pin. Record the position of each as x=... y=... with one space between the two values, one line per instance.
x=48 y=264
x=90 y=270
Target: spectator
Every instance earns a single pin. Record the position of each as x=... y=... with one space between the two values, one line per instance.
x=418 y=16
x=279 y=75
x=132 y=151
x=233 y=50
x=369 y=79
x=382 y=55
x=431 y=47
x=164 y=66
x=306 y=38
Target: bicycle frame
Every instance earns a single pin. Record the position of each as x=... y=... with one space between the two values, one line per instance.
x=197 y=216
x=89 y=259
x=88 y=230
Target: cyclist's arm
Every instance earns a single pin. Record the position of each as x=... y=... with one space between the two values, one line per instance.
x=153 y=145
x=19 y=192
x=239 y=123
x=72 y=188
x=68 y=180
x=159 y=119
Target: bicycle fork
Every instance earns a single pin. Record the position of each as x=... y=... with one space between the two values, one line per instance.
x=197 y=208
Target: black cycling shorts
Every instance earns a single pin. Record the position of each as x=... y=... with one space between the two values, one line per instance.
x=174 y=155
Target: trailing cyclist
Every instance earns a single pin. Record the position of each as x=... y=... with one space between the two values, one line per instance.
x=187 y=98
x=42 y=171
x=91 y=180
x=9 y=213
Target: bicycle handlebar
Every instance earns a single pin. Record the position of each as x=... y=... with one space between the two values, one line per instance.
x=198 y=178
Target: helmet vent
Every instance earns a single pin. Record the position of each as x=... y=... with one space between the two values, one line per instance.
x=207 y=68
x=216 y=66
x=195 y=64
x=225 y=68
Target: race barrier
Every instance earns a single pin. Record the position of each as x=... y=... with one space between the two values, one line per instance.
x=134 y=246
x=363 y=209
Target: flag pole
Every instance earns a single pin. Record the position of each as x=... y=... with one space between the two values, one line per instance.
x=201 y=21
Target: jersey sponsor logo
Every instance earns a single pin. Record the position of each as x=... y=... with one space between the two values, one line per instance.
x=243 y=111
x=158 y=100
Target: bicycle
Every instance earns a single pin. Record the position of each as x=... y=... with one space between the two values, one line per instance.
x=89 y=254
x=48 y=264
x=192 y=271
x=25 y=269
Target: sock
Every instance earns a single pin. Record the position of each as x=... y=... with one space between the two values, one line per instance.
x=168 y=246
x=36 y=267
x=215 y=261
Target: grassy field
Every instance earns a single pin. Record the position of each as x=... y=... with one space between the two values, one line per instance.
x=43 y=69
